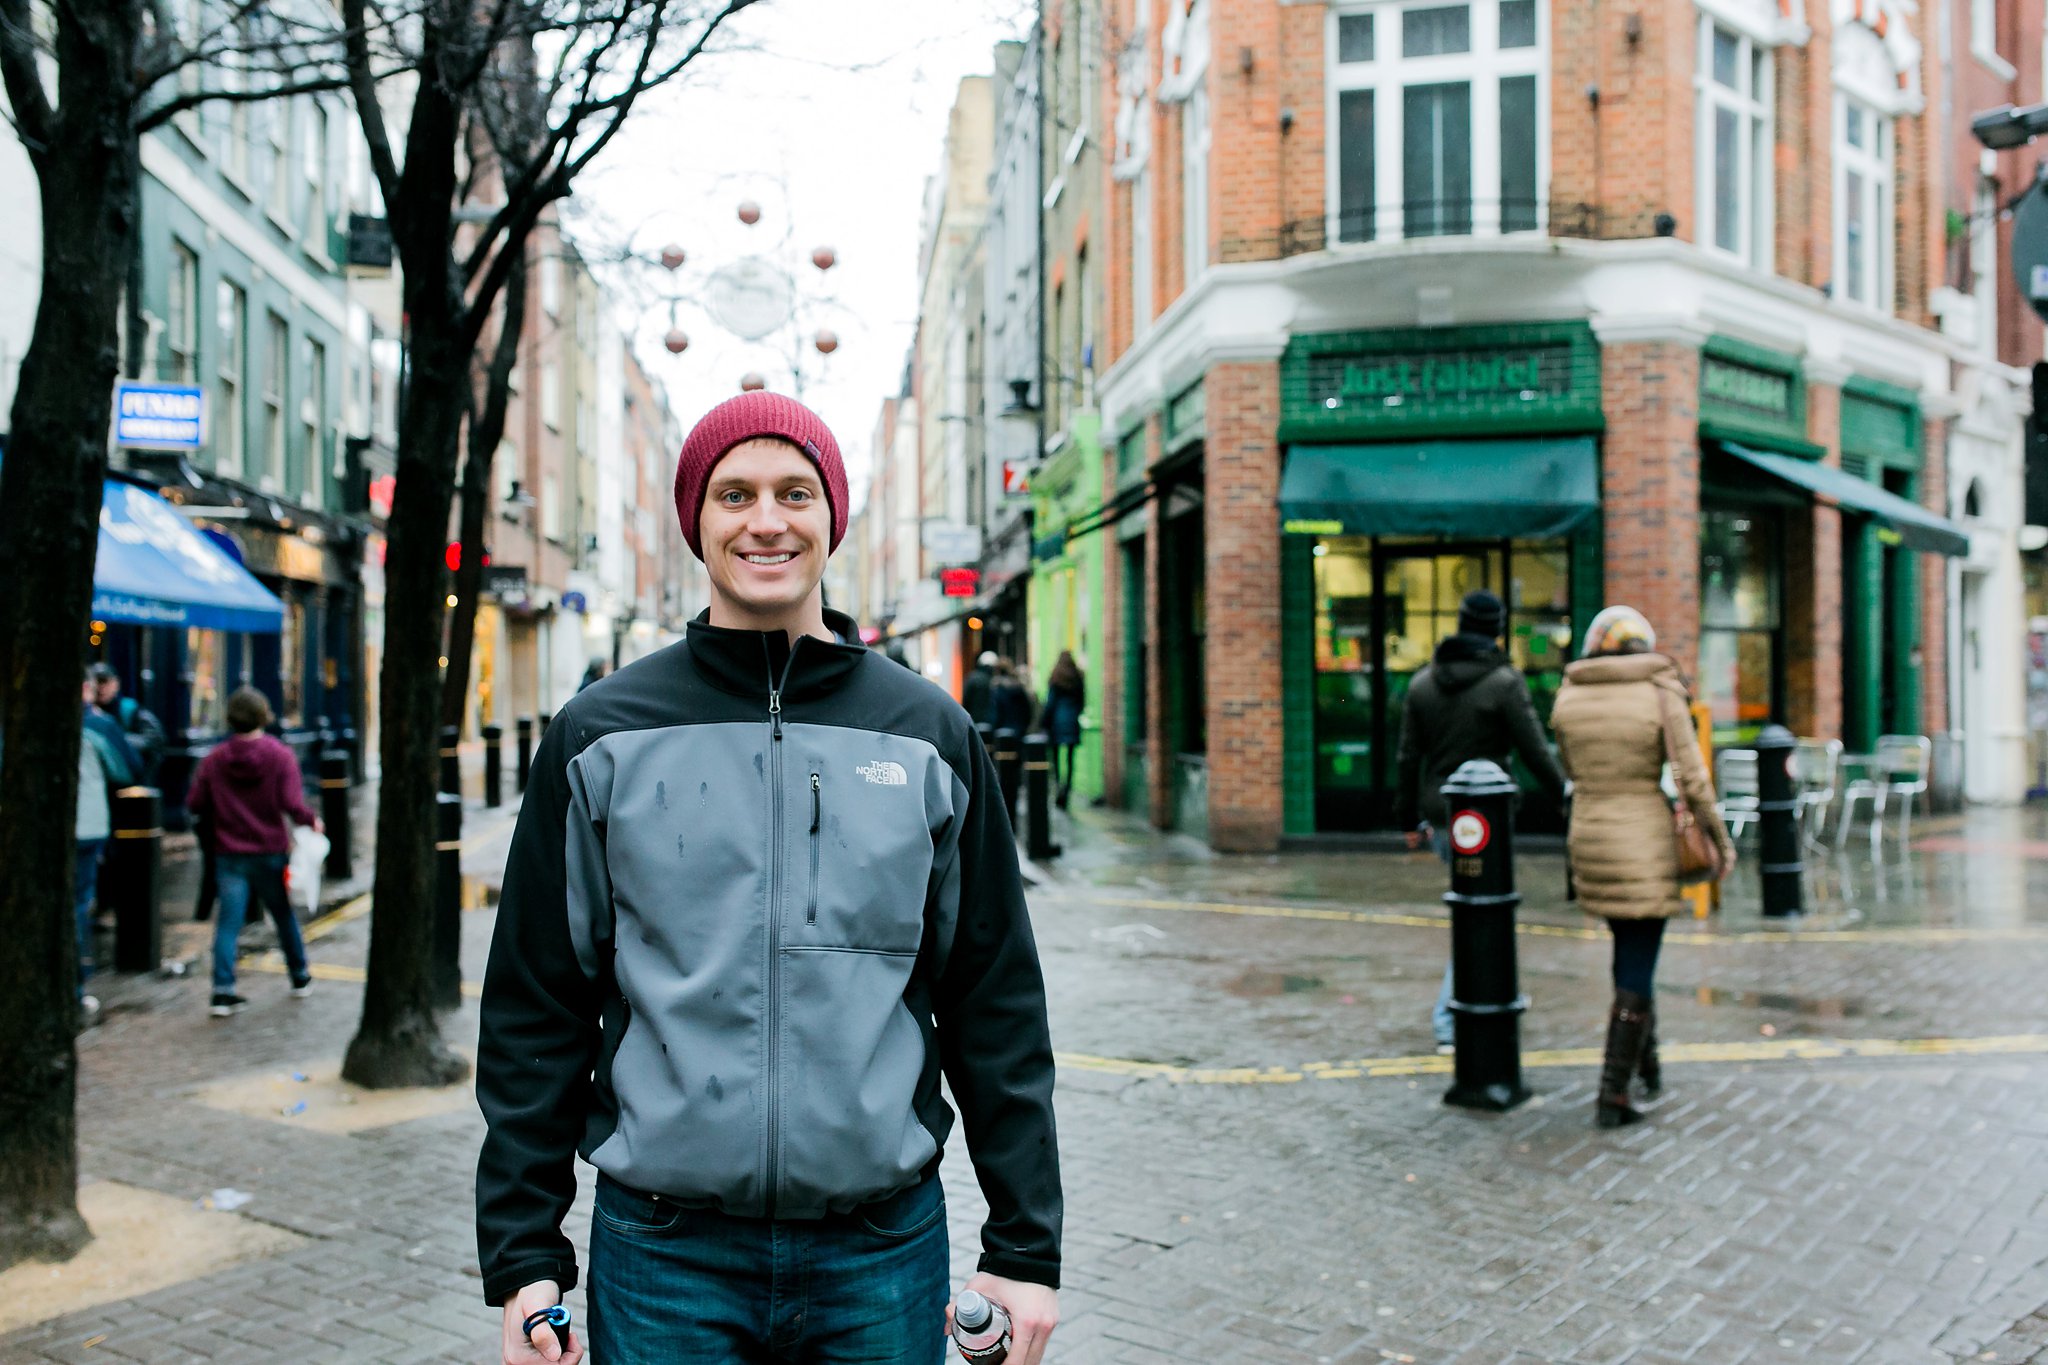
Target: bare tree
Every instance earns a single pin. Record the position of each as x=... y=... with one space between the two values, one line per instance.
x=601 y=58
x=85 y=80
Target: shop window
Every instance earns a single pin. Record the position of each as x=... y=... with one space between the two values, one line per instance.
x=1438 y=117
x=1734 y=152
x=205 y=683
x=1741 y=621
x=1863 y=204
x=291 y=665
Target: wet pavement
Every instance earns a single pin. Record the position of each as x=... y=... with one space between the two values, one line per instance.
x=1850 y=1162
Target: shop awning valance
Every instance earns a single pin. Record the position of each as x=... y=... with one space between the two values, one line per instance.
x=154 y=569
x=1914 y=525
x=1529 y=489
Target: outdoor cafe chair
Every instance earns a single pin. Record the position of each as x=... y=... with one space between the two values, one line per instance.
x=1897 y=769
x=1736 y=788
x=1816 y=765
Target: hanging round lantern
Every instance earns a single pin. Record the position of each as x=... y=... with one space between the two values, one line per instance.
x=671 y=257
x=677 y=341
x=827 y=341
x=752 y=382
x=750 y=212
x=824 y=258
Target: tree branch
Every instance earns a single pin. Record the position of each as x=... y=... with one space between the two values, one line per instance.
x=161 y=114
x=21 y=70
x=362 y=83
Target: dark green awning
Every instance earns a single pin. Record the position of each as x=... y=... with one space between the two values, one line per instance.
x=1913 y=524
x=1529 y=489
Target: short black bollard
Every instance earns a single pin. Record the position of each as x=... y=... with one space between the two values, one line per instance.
x=1038 y=842
x=988 y=738
x=447 y=976
x=1784 y=867
x=349 y=741
x=525 y=751
x=1009 y=769
x=132 y=878
x=1487 y=1003
x=494 y=765
x=341 y=861
x=451 y=759
x=542 y=732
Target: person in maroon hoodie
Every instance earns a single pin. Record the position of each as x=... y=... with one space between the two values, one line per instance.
x=248 y=788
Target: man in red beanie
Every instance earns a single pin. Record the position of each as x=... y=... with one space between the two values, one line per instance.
x=761 y=898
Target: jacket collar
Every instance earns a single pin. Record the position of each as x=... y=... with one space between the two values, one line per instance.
x=752 y=663
x=1626 y=668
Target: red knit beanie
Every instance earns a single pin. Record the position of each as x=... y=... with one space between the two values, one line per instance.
x=742 y=419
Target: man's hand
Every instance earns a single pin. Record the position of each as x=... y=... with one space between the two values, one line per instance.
x=1034 y=1311
x=543 y=1345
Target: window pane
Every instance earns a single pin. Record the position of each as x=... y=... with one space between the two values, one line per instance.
x=1354 y=38
x=1738 y=589
x=1354 y=166
x=1727 y=59
x=1853 y=124
x=1436 y=164
x=1518 y=23
x=1756 y=73
x=1727 y=181
x=1517 y=153
x=1432 y=32
x=1852 y=247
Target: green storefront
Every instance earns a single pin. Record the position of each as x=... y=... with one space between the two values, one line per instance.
x=1420 y=465
x=1066 y=584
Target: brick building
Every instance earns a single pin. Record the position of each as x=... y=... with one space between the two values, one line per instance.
x=1584 y=305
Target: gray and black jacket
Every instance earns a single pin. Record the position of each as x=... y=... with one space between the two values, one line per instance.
x=758 y=899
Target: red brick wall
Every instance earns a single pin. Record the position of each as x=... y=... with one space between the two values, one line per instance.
x=1650 y=488
x=1631 y=157
x=1804 y=184
x=1241 y=531
x=1813 y=589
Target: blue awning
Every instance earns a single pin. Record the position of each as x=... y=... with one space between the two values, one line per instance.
x=154 y=569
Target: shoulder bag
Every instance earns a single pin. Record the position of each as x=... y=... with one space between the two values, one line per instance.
x=1696 y=852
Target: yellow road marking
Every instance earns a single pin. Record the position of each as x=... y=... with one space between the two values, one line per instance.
x=334 y=919
x=1810 y=933
x=1759 y=1050
x=273 y=963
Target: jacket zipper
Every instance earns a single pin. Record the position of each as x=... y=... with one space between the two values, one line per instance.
x=775 y=686
x=817 y=809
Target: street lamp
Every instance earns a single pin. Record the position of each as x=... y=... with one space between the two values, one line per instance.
x=2007 y=127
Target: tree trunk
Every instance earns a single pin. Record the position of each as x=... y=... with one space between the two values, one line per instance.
x=486 y=430
x=49 y=537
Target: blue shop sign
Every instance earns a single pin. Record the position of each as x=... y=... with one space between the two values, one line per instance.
x=160 y=416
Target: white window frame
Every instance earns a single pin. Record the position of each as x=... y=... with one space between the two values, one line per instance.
x=313 y=420
x=277 y=150
x=181 y=323
x=1984 y=39
x=1389 y=74
x=1197 y=139
x=1141 y=254
x=230 y=436
x=318 y=138
x=1877 y=163
x=1756 y=220
x=277 y=382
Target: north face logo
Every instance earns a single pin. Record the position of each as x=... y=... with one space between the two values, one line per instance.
x=883 y=773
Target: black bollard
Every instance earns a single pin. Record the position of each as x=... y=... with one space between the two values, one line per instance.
x=525 y=751
x=1038 y=842
x=451 y=759
x=1487 y=1003
x=341 y=862
x=1784 y=867
x=542 y=732
x=494 y=765
x=132 y=878
x=988 y=738
x=349 y=742
x=447 y=976
x=1009 y=769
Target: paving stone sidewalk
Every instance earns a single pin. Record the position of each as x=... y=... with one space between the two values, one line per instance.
x=1834 y=1208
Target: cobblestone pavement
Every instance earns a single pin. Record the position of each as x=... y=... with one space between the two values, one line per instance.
x=1851 y=1163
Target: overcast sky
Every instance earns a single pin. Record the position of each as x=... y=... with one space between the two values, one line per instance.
x=832 y=121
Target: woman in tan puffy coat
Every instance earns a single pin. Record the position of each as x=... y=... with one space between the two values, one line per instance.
x=1621 y=711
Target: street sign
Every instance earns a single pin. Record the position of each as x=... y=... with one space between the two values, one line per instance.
x=952 y=542
x=1016 y=477
x=159 y=416
x=959 y=582
x=369 y=242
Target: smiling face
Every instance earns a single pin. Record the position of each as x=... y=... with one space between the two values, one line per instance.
x=766 y=529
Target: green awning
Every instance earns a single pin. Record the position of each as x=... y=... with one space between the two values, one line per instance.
x=1914 y=525
x=1529 y=489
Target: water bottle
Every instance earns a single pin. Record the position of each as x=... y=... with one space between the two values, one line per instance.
x=981 y=1329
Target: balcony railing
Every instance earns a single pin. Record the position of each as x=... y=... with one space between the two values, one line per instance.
x=1439 y=218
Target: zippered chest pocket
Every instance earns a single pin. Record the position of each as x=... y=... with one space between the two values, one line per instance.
x=859 y=853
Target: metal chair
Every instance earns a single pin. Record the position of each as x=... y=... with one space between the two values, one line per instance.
x=1898 y=767
x=1736 y=788
x=1816 y=766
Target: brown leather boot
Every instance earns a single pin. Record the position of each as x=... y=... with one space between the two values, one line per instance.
x=1627 y=1023
x=1647 y=1065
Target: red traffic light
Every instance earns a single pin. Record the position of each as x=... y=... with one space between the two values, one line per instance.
x=452 y=556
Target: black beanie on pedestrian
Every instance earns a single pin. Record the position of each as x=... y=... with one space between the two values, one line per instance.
x=1481 y=613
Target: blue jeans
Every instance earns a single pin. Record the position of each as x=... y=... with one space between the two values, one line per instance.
x=242 y=875
x=1440 y=1018
x=669 y=1283
x=85 y=885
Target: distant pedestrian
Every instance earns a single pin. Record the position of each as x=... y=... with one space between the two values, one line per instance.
x=1470 y=702
x=977 y=694
x=1010 y=704
x=1621 y=714
x=106 y=762
x=1066 y=694
x=250 y=791
x=145 y=732
x=591 y=674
